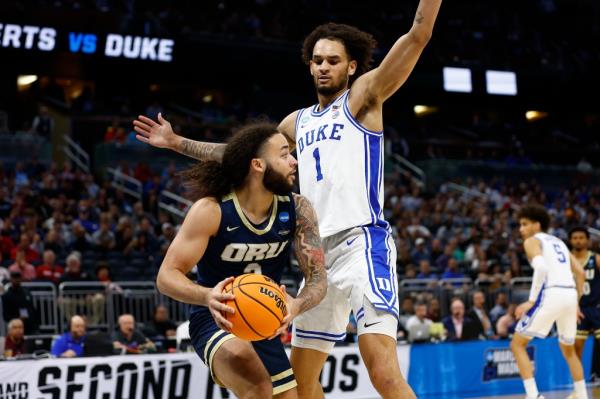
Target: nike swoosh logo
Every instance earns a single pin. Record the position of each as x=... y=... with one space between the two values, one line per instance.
x=372 y=324
x=232 y=228
x=349 y=242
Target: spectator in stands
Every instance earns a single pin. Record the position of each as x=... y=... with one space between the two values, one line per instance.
x=49 y=270
x=6 y=242
x=458 y=326
x=86 y=218
x=73 y=271
x=437 y=249
x=418 y=325
x=499 y=308
x=147 y=228
x=43 y=123
x=410 y=271
x=441 y=262
x=17 y=303
x=160 y=326
x=417 y=229
x=5 y=205
x=420 y=251
x=425 y=270
x=71 y=343
x=103 y=272
x=103 y=239
x=4 y=275
x=129 y=340
x=452 y=270
x=25 y=245
x=21 y=177
x=407 y=309
x=505 y=326
x=139 y=213
x=14 y=344
x=53 y=242
x=434 y=312
x=139 y=245
x=26 y=270
x=167 y=236
x=479 y=315
x=81 y=240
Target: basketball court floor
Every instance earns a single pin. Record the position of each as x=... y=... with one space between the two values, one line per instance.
x=592 y=393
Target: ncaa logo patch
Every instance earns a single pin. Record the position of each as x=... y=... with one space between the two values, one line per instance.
x=305 y=119
x=284 y=216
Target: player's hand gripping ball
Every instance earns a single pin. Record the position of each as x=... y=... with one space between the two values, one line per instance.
x=259 y=306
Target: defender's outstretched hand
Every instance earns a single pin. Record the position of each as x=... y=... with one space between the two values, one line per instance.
x=158 y=134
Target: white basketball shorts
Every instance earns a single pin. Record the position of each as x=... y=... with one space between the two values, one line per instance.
x=361 y=274
x=554 y=304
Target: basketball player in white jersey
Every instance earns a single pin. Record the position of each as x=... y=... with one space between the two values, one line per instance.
x=553 y=298
x=339 y=143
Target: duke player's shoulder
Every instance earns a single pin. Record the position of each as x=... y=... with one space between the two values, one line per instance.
x=288 y=126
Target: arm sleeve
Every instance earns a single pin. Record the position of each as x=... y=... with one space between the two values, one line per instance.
x=539 y=276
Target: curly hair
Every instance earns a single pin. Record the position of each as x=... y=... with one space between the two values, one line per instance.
x=579 y=229
x=535 y=213
x=214 y=179
x=358 y=44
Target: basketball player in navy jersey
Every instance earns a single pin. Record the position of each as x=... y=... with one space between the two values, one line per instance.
x=245 y=220
x=339 y=142
x=589 y=305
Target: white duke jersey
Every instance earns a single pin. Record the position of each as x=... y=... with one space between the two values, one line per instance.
x=340 y=167
x=558 y=262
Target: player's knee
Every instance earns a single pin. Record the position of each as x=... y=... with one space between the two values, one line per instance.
x=384 y=379
x=307 y=387
x=568 y=350
x=516 y=345
x=259 y=390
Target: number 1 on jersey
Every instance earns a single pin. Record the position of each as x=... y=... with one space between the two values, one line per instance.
x=318 y=164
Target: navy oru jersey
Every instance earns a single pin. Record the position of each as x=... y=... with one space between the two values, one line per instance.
x=591 y=287
x=241 y=247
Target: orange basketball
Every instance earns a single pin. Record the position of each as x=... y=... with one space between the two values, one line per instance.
x=259 y=306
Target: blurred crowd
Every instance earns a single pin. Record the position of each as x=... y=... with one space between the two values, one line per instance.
x=59 y=224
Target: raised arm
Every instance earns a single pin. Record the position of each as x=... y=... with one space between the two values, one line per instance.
x=160 y=134
x=189 y=245
x=379 y=84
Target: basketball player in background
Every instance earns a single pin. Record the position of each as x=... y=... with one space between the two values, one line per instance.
x=339 y=143
x=244 y=204
x=553 y=298
x=589 y=305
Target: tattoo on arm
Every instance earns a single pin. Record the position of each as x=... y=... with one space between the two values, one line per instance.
x=419 y=17
x=202 y=151
x=309 y=253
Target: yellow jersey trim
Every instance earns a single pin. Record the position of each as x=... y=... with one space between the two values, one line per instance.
x=247 y=223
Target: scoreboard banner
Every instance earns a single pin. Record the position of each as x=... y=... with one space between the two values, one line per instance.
x=47 y=39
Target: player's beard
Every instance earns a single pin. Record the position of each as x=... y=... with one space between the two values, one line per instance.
x=330 y=90
x=276 y=182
